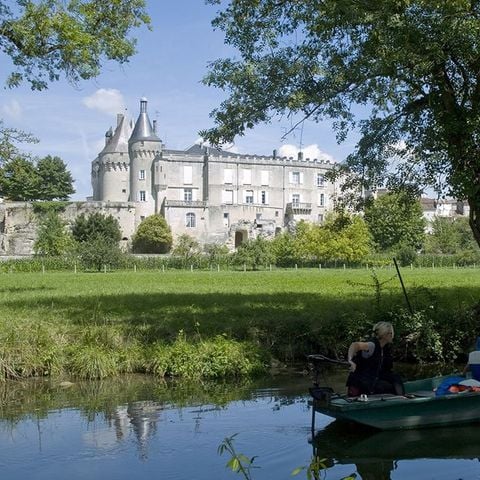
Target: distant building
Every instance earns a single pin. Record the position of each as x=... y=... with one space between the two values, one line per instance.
x=210 y=194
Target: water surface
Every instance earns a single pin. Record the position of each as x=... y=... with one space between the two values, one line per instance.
x=138 y=427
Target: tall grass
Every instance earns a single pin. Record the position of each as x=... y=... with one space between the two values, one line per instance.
x=223 y=324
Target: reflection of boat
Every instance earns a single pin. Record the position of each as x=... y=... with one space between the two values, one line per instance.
x=419 y=407
x=350 y=443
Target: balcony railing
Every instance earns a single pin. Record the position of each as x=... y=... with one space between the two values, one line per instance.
x=299 y=208
x=186 y=204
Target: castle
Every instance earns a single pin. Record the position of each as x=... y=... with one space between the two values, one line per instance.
x=210 y=194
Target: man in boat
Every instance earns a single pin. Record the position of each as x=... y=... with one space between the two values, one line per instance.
x=371 y=364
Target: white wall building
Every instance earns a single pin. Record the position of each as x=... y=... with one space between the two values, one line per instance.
x=210 y=194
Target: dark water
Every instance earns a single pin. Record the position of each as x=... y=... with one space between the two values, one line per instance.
x=139 y=428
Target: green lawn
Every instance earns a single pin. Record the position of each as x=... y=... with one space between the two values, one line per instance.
x=284 y=312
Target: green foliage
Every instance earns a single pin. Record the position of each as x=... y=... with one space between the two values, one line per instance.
x=215 y=358
x=216 y=253
x=91 y=362
x=284 y=249
x=24 y=179
x=449 y=236
x=46 y=39
x=395 y=220
x=254 y=254
x=238 y=462
x=422 y=101
x=56 y=182
x=99 y=252
x=88 y=227
x=19 y=180
x=406 y=254
x=341 y=237
x=187 y=249
x=52 y=237
x=9 y=140
x=152 y=236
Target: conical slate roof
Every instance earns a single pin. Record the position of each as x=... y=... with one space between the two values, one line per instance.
x=143 y=128
x=119 y=140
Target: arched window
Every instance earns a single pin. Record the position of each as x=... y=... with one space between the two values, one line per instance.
x=190 y=220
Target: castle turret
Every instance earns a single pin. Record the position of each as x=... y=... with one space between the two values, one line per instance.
x=144 y=146
x=110 y=170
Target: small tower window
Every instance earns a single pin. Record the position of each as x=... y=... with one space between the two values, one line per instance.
x=142 y=196
x=187 y=194
x=141 y=175
x=190 y=220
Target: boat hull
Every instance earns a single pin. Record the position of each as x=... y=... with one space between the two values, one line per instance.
x=419 y=409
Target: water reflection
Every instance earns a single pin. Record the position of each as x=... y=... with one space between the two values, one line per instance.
x=376 y=454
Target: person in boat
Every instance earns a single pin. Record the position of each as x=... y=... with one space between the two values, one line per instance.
x=474 y=362
x=371 y=364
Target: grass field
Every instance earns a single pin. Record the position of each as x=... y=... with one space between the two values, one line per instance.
x=96 y=324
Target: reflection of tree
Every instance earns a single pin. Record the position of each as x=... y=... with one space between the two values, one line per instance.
x=375 y=470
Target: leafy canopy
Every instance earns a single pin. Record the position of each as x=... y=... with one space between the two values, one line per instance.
x=395 y=219
x=414 y=65
x=22 y=178
x=87 y=228
x=45 y=38
x=153 y=236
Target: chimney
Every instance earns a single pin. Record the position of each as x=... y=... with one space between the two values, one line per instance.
x=274 y=154
x=300 y=156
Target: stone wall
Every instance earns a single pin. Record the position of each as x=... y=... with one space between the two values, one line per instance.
x=18 y=222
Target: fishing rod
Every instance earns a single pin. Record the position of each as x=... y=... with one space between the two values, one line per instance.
x=403 y=286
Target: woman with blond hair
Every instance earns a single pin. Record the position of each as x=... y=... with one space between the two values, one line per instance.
x=371 y=364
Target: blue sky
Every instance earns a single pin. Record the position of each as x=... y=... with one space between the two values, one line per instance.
x=71 y=121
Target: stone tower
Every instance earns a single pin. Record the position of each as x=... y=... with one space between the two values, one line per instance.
x=144 y=146
x=110 y=170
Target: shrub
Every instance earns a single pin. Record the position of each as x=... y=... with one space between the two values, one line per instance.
x=152 y=236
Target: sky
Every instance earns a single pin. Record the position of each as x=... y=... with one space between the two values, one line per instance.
x=70 y=121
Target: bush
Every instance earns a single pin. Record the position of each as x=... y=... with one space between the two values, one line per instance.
x=152 y=236
x=86 y=228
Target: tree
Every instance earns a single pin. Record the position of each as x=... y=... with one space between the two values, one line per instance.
x=152 y=236
x=52 y=237
x=19 y=180
x=9 y=140
x=87 y=228
x=75 y=37
x=394 y=219
x=98 y=252
x=449 y=236
x=342 y=237
x=416 y=63
x=254 y=253
x=187 y=248
x=56 y=182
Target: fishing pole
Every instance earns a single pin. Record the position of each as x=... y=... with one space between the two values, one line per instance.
x=403 y=286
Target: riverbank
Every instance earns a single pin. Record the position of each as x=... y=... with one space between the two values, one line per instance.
x=223 y=324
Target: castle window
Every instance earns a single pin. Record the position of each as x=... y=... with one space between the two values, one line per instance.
x=320 y=218
x=264 y=174
x=247 y=177
x=248 y=196
x=188 y=175
x=124 y=190
x=264 y=197
x=295 y=199
x=142 y=196
x=190 y=221
x=228 y=175
x=320 y=180
x=187 y=194
x=141 y=175
x=295 y=178
x=227 y=197
x=321 y=200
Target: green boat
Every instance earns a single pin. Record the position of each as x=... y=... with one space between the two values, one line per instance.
x=420 y=407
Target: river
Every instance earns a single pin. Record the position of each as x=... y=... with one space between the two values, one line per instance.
x=141 y=428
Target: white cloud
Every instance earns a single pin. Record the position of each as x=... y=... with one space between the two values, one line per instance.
x=105 y=100
x=12 y=110
x=310 y=151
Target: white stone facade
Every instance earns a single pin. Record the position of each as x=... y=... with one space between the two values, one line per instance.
x=210 y=194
